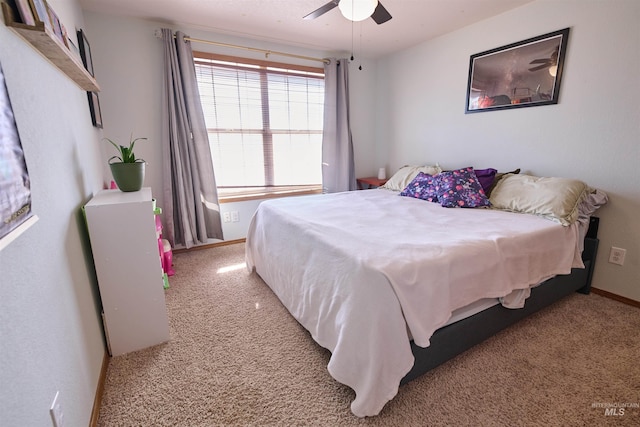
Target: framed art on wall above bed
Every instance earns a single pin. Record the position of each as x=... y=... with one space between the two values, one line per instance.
x=522 y=74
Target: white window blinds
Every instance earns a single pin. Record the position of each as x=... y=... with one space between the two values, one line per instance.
x=264 y=121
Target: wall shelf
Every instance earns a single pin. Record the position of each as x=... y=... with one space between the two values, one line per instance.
x=52 y=48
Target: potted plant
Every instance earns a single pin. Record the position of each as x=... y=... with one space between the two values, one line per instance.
x=128 y=173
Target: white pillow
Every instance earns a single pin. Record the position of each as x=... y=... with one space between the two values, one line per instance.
x=554 y=198
x=405 y=175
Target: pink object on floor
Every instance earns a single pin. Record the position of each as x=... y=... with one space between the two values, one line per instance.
x=167 y=259
x=164 y=250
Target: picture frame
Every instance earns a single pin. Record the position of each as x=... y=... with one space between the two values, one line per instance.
x=94 y=100
x=39 y=8
x=85 y=51
x=522 y=74
x=94 y=108
x=15 y=185
x=73 y=48
x=25 y=12
x=56 y=24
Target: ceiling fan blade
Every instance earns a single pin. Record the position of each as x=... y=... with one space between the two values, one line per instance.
x=380 y=15
x=539 y=67
x=322 y=10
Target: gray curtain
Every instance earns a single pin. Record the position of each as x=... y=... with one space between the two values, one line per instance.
x=188 y=179
x=338 y=171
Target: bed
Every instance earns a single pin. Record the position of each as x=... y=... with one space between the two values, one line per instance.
x=394 y=286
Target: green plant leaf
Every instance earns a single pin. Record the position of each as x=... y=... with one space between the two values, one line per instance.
x=126 y=153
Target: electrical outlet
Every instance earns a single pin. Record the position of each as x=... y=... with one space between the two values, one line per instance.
x=616 y=256
x=226 y=217
x=57 y=416
x=235 y=216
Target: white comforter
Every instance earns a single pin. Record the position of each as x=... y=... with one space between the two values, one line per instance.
x=362 y=270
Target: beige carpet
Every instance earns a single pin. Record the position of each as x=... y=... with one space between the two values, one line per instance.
x=236 y=357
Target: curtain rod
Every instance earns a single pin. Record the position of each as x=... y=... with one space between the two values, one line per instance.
x=266 y=52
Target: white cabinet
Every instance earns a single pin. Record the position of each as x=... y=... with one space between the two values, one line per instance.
x=123 y=238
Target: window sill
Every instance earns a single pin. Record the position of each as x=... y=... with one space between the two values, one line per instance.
x=228 y=196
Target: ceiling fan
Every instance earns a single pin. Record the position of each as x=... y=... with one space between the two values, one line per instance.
x=543 y=63
x=347 y=7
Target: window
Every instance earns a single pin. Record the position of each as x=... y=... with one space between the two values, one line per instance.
x=264 y=122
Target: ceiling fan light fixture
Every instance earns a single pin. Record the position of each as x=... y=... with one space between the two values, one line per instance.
x=357 y=10
x=553 y=70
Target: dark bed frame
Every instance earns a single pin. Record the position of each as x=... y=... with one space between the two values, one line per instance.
x=449 y=341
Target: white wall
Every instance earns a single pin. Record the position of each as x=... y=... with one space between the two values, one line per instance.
x=50 y=333
x=591 y=134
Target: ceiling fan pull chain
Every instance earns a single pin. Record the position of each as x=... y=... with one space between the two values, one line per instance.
x=352 y=24
x=360 y=45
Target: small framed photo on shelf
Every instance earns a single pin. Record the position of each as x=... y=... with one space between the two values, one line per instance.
x=85 y=51
x=73 y=48
x=39 y=8
x=58 y=28
x=94 y=108
x=26 y=15
x=65 y=36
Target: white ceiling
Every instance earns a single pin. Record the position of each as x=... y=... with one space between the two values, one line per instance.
x=280 y=21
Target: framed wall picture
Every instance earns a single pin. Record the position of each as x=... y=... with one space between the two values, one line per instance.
x=85 y=51
x=94 y=108
x=15 y=185
x=522 y=74
x=94 y=101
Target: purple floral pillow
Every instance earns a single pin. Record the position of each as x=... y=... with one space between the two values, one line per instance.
x=423 y=186
x=460 y=188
